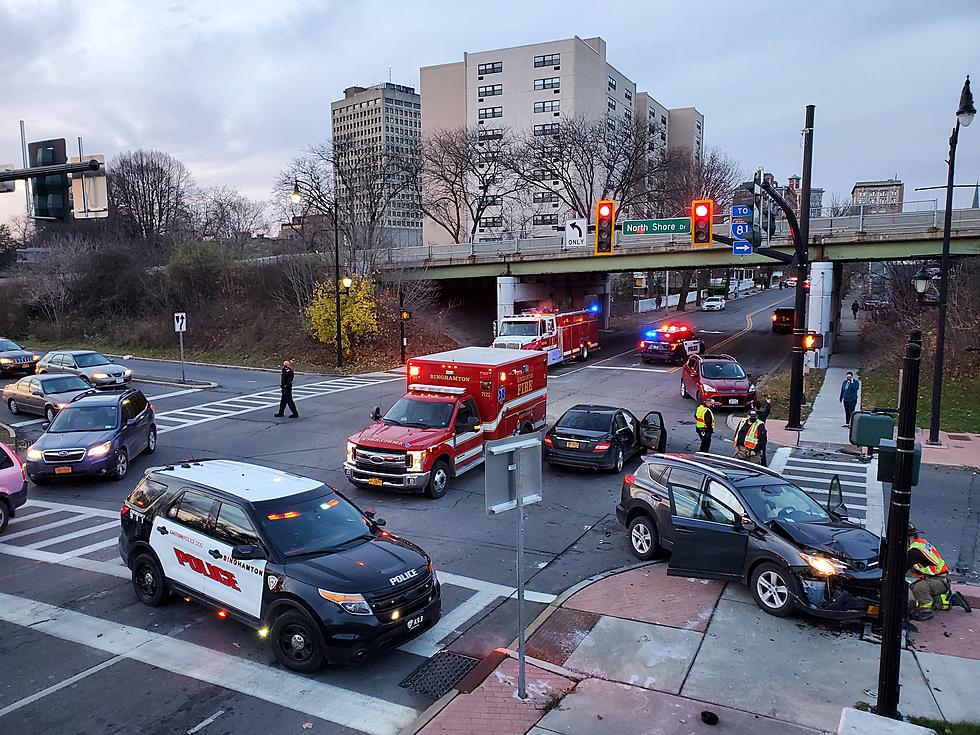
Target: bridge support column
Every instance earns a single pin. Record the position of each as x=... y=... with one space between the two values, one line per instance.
x=819 y=311
x=506 y=293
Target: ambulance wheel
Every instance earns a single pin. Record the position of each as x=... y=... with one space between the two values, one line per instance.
x=438 y=480
x=296 y=643
x=584 y=354
x=148 y=581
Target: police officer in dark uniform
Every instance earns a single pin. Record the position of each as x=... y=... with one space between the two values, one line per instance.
x=286 y=386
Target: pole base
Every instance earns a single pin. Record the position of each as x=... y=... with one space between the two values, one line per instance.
x=931 y=443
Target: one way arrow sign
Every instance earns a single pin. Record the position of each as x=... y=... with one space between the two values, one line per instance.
x=741 y=247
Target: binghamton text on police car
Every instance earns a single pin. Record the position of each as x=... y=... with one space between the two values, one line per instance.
x=284 y=554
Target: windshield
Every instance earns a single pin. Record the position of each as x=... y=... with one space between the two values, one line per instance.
x=722 y=371
x=84 y=418
x=7 y=346
x=91 y=359
x=63 y=384
x=586 y=420
x=783 y=503
x=518 y=329
x=315 y=526
x=420 y=414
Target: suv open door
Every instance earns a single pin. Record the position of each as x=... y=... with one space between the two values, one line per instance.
x=653 y=433
x=710 y=539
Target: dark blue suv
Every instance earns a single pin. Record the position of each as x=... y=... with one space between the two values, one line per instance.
x=96 y=434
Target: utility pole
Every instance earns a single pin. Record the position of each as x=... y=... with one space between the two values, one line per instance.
x=401 y=321
x=803 y=272
x=336 y=278
x=893 y=593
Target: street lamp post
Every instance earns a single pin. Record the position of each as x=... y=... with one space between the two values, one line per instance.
x=921 y=282
x=964 y=116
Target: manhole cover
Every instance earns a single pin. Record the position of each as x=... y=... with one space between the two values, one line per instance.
x=439 y=674
x=959 y=437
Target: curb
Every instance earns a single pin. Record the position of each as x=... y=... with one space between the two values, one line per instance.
x=207 y=385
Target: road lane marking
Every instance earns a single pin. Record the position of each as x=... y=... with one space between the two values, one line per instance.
x=67 y=560
x=748 y=325
x=500 y=590
x=636 y=369
x=204 y=723
x=7 y=537
x=158 y=397
x=827 y=462
x=97 y=546
x=82 y=509
x=428 y=644
x=60 y=685
x=360 y=712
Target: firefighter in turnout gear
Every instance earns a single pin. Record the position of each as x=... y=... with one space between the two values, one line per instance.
x=750 y=439
x=704 y=425
x=930 y=586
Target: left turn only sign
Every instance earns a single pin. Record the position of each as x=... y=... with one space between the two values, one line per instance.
x=180 y=321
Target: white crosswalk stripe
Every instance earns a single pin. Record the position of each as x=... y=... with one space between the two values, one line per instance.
x=813 y=472
x=182 y=418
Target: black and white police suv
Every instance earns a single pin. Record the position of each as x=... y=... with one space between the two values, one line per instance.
x=286 y=555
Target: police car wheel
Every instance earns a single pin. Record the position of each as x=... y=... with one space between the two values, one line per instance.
x=148 y=581
x=296 y=643
x=122 y=465
x=438 y=480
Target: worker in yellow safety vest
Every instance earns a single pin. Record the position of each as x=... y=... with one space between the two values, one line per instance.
x=930 y=588
x=704 y=424
x=750 y=439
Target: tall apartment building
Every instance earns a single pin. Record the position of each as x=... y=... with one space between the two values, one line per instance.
x=528 y=90
x=879 y=197
x=384 y=121
x=686 y=130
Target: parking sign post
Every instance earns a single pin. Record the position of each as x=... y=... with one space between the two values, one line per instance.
x=513 y=480
x=180 y=326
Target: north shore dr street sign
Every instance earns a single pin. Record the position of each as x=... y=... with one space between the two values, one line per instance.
x=672 y=226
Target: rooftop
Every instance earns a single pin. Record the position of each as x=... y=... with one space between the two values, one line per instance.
x=250 y=482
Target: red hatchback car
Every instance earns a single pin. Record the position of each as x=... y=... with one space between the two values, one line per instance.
x=719 y=378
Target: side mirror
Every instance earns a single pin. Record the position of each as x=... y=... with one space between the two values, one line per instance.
x=376 y=413
x=247 y=551
x=369 y=513
x=746 y=523
x=840 y=512
x=473 y=424
x=36 y=392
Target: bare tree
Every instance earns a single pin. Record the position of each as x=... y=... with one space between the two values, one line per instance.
x=840 y=206
x=54 y=276
x=464 y=174
x=685 y=177
x=149 y=193
x=229 y=218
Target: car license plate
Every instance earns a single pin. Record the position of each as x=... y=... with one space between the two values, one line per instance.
x=571 y=445
x=119 y=380
x=26 y=366
x=374 y=481
x=415 y=622
x=733 y=401
x=62 y=470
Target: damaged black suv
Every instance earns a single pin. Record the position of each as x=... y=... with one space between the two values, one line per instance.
x=727 y=519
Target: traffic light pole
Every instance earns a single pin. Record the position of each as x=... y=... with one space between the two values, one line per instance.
x=401 y=322
x=19 y=174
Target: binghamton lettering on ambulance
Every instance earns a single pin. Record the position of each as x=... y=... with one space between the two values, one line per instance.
x=450 y=378
x=207 y=569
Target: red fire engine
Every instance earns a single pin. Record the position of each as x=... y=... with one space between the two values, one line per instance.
x=563 y=335
x=455 y=402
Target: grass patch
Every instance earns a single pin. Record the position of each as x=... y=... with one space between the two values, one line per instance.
x=160 y=353
x=947 y=728
x=775 y=387
x=960 y=406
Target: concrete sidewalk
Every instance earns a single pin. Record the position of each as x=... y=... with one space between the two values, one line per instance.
x=637 y=650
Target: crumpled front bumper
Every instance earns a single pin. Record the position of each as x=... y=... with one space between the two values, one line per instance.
x=841 y=597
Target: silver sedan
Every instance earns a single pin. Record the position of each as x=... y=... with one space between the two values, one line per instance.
x=43 y=395
x=93 y=367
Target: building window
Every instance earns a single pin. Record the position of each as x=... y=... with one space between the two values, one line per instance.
x=491 y=222
x=612 y=83
x=491 y=90
x=610 y=103
x=494 y=67
x=488 y=112
x=494 y=200
x=490 y=133
x=545 y=219
x=548 y=129
x=547 y=60
x=541 y=174
x=663 y=119
x=547 y=106
x=628 y=94
x=549 y=83
x=542 y=197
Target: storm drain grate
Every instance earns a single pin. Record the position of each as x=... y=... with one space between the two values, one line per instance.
x=439 y=674
x=960 y=437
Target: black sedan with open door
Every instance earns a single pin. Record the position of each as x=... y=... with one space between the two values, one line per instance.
x=602 y=437
x=727 y=519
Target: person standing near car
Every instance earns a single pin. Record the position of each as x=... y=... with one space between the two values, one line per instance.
x=849 y=396
x=286 y=388
x=704 y=424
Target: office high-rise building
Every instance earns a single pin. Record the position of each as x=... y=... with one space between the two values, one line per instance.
x=879 y=197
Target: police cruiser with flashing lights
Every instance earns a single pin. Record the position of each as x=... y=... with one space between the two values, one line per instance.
x=284 y=554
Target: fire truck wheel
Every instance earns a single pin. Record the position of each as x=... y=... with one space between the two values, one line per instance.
x=584 y=354
x=438 y=480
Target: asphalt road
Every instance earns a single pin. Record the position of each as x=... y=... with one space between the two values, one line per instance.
x=187 y=666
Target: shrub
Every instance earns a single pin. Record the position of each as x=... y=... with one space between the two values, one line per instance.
x=358 y=312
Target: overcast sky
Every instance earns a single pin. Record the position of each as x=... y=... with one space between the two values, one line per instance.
x=234 y=88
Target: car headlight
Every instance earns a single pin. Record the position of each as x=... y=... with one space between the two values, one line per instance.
x=6 y=361
x=100 y=450
x=35 y=358
x=354 y=604
x=351 y=448
x=752 y=388
x=60 y=406
x=100 y=376
x=416 y=460
x=127 y=372
x=708 y=388
x=34 y=455
x=823 y=565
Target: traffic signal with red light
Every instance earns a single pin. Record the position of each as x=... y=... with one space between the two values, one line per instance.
x=605 y=223
x=405 y=315
x=702 y=216
x=812 y=341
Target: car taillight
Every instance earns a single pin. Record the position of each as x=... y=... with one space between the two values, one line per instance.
x=151 y=407
x=602 y=447
x=124 y=510
x=642 y=344
x=547 y=440
x=629 y=480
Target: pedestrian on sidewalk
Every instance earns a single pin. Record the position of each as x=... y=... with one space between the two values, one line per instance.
x=704 y=424
x=855 y=308
x=750 y=438
x=657 y=301
x=849 y=396
x=286 y=388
